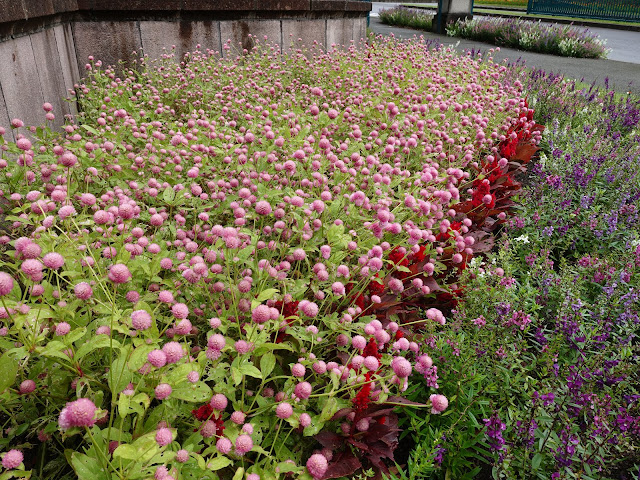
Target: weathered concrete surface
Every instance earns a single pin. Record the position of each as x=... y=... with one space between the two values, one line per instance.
x=339 y=32
x=5 y=121
x=359 y=29
x=159 y=37
x=109 y=41
x=20 y=81
x=238 y=32
x=296 y=33
x=45 y=51
x=68 y=61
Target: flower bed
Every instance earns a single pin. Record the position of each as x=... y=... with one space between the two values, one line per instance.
x=406 y=17
x=223 y=270
x=554 y=39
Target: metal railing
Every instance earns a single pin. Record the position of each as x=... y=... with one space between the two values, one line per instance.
x=620 y=10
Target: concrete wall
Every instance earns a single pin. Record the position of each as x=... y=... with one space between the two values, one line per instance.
x=45 y=44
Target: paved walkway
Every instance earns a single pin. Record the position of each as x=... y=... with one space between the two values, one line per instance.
x=623 y=76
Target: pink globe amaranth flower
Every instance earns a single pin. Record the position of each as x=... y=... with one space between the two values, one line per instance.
x=180 y=310
x=284 y=410
x=193 y=376
x=32 y=267
x=103 y=330
x=140 y=319
x=263 y=207
x=317 y=465
x=27 y=386
x=164 y=437
x=165 y=296
x=303 y=390
x=224 y=445
x=119 y=273
x=6 y=284
x=32 y=250
x=132 y=296
x=218 y=402
x=261 y=314
x=173 y=351
x=371 y=363
x=395 y=285
x=157 y=358
x=305 y=420
x=242 y=346
x=83 y=291
x=216 y=341
x=163 y=391
x=12 y=459
x=244 y=444
x=79 y=413
x=182 y=456
x=253 y=476
x=247 y=428
x=401 y=367
x=298 y=370
x=183 y=328
x=310 y=309
x=439 y=403
x=66 y=211
x=68 y=159
x=53 y=260
x=238 y=417
x=208 y=429
x=161 y=473
x=62 y=329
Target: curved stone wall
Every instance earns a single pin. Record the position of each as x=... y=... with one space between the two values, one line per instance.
x=45 y=44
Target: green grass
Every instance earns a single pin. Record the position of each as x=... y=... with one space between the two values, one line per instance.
x=502 y=3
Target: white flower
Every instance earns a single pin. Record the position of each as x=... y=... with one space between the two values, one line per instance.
x=522 y=238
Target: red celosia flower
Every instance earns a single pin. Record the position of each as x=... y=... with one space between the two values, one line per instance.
x=203 y=413
x=419 y=256
x=371 y=349
x=361 y=400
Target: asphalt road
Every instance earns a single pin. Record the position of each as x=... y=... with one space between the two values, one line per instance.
x=623 y=76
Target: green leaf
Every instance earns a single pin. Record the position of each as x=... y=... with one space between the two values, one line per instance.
x=199 y=392
x=236 y=375
x=139 y=357
x=90 y=129
x=267 y=364
x=219 y=463
x=142 y=450
x=249 y=369
x=119 y=375
x=537 y=460
x=87 y=468
x=329 y=409
x=99 y=341
x=8 y=371
x=169 y=195
x=267 y=294
x=123 y=405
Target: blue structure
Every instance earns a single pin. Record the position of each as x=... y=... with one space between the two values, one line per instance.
x=620 y=10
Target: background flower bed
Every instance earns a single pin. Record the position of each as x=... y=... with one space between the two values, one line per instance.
x=220 y=272
x=554 y=39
